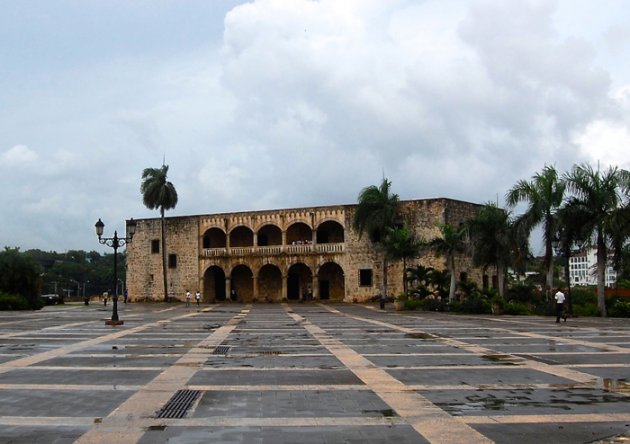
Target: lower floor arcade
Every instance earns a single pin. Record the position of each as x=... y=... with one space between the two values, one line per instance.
x=271 y=283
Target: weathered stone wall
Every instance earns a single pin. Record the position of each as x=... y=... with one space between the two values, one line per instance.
x=185 y=239
x=144 y=275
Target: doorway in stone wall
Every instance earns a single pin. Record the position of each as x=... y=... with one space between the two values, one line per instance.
x=214 y=285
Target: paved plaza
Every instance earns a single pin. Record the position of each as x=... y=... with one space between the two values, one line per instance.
x=309 y=373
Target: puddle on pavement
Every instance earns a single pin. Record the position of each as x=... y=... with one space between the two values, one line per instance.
x=420 y=335
x=387 y=413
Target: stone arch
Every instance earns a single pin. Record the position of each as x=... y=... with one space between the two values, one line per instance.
x=299 y=233
x=270 y=283
x=330 y=232
x=269 y=235
x=213 y=284
x=242 y=281
x=331 y=281
x=241 y=236
x=299 y=281
x=214 y=238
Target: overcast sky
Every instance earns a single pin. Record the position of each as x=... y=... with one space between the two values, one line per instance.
x=290 y=103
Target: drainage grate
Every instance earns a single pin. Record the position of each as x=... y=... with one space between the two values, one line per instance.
x=269 y=352
x=179 y=404
x=221 y=350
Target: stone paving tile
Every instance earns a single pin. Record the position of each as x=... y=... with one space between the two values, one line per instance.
x=41 y=434
x=277 y=376
x=290 y=404
x=348 y=434
x=529 y=401
x=578 y=432
x=78 y=376
x=59 y=403
x=462 y=375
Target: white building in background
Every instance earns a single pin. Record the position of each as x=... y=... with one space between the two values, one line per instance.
x=583 y=268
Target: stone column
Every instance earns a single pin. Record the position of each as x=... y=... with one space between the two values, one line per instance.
x=315 y=287
x=284 y=286
x=255 y=278
x=228 y=285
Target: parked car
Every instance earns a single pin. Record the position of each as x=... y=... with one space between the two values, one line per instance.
x=51 y=299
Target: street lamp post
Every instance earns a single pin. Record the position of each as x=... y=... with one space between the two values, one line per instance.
x=115 y=242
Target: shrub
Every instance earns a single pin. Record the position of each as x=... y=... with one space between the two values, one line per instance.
x=476 y=304
x=516 y=308
x=13 y=302
x=523 y=293
x=413 y=304
x=618 y=308
x=587 y=309
x=433 y=304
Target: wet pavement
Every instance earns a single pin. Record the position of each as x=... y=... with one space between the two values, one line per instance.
x=309 y=373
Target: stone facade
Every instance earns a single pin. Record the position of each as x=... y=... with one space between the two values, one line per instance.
x=277 y=255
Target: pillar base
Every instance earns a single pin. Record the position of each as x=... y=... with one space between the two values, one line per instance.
x=112 y=322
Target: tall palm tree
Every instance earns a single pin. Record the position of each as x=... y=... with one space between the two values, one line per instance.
x=449 y=245
x=491 y=231
x=600 y=194
x=544 y=194
x=159 y=193
x=375 y=213
x=569 y=233
x=401 y=243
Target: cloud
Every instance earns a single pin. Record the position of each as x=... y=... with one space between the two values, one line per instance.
x=18 y=155
x=305 y=103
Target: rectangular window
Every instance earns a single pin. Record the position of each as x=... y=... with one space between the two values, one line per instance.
x=172 y=261
x=155 y=246
x=365 y=278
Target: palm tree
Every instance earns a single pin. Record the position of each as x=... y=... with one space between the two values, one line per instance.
x=375 y=213
x=544 y=193
x=491 y=231
x=420 y=277
x=158 y=192
x=401 y=243
x=569 y=232
x=451 y=243
x=599 y=194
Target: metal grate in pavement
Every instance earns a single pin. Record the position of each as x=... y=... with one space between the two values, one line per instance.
x=221 y=350
x=179 y=404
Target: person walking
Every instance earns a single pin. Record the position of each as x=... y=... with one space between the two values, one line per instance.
x=559 y=297
x=187 y=298
x=198 y=298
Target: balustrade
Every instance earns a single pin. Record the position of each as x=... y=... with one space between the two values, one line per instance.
x=274 y=250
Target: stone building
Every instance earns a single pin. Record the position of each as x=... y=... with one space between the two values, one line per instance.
x=278 y=255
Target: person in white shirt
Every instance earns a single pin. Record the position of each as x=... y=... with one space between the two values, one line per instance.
x=559 y=297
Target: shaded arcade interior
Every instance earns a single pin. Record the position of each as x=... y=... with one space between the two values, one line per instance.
x=270 y=284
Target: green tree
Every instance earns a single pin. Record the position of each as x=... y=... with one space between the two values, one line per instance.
x=20 y=275
x=159 y=193
x=401 y=243
x=492 y=234
x=600 y=195
x=376 y=212
x=449 y=245
x=544 y=195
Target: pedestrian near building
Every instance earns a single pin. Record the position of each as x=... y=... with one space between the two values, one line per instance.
x=198 y=298
x=559 y=297
x=187 y=298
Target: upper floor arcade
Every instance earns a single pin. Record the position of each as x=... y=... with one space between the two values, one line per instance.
x=274 y=233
